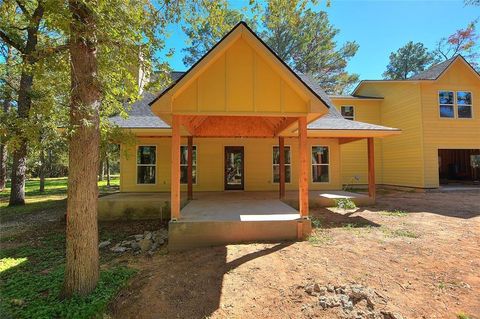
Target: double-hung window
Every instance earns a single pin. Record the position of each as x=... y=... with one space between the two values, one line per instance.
x=146 y=164
x=455 y=104
x=276 y=164
x=348 y=112
x=320 y=164
x=184 y=164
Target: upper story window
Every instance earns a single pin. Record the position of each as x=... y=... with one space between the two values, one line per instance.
x=464 y=104
x=146 y=164
x=348 y=112
x=184 y=164
x=455 y=104
x=276 y=164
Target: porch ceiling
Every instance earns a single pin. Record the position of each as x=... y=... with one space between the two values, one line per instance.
x=238 y=126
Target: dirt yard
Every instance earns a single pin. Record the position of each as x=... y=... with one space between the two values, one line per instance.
x=418 y=254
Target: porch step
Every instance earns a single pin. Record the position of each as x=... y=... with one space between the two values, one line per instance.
x=185 y=235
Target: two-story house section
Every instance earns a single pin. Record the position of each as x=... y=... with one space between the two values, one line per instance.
x=438 y=111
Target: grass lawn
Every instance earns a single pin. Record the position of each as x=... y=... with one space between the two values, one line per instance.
x=32 y=259
x=53 y=197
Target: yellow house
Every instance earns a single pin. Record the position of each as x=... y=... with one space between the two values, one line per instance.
x=439 y=115
x=241 y=135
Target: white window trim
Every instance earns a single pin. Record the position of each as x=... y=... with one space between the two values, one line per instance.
x=196 y=166
x=312 y=164
x=354 y=112
x=455 y=105
x=273 y=175
x=154 y=165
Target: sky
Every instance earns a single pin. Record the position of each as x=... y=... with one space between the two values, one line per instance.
x=379 y=27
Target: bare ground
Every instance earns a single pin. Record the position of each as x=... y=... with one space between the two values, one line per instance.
x=423 y=264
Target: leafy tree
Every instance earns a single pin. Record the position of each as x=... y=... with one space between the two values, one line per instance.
x=30 y=29
x=101 y=32
x=302 y=37
x=409 y=60
x=463 y=41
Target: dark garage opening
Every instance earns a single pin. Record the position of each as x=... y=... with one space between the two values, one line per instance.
x=458 y=166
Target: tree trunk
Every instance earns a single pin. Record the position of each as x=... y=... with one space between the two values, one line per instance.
x=41 y=171
x=19 y=166
x=7 y=99
x=107 y=164
x=82 y=265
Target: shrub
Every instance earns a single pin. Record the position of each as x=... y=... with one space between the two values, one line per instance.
x=345 y=203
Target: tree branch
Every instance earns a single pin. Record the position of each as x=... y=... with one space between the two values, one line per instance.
x=23 y=8
x=11 y=42
x=50 y=51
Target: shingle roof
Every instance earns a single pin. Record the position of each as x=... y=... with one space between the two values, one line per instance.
x=335 y=121
x=433 y=72
x=140 y=115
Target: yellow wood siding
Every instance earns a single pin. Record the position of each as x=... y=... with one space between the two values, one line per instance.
x=240 y=81
x=210 y=164
x=402 y=155
x=443 y=133
x=354 y=159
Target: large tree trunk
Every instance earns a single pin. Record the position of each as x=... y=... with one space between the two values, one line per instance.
x=19 y=166
x=7 y=99
x=82 y=267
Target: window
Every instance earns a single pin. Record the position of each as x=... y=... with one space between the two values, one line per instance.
x=464 y=104
x=184 y=164
x=461 y=99
x=276 y=164
x=446 y=101
x=146 y=164
x=348 y=112
x=320 y=164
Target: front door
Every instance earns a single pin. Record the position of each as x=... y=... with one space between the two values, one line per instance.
x=234 y=178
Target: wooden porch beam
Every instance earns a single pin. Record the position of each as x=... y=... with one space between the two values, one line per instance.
x=371 y=168
x=175 y=181
x=284 y=124
x=303 y=176
x=190 y=167
x=281 y=152
x=345 y=140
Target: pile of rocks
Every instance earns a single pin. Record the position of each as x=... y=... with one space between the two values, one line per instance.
x=354 y=301
x=148 y=242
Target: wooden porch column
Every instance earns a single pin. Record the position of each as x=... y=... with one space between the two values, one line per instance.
x=281 y=182
x=190 y=167
x=175 y=181
x=371 y=168
x=303 y=176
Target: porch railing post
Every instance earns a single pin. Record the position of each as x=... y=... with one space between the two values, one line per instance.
x=303 y=176
x=175 y=181
x=281 y=182
x=190 y=168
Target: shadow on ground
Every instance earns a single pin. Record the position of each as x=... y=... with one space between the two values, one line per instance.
x=182 y=285
x=330 y=219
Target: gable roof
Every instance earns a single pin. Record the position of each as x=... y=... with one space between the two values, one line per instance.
x=310 y=86
x=433 y=73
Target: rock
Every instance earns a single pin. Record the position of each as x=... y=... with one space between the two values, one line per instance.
x=330 y=288
x=126 y=242
x=145 y=244
x=161 y=241
x=322 y=290
x=322 y=302
x=147 y=235
x=348 y=306
x=391 y=315
x=137 y=237
x=118 y=249
x=309 y=289
x=104 y=244
x=333 y=302
x=135 y=246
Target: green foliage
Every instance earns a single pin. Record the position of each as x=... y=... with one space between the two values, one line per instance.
x=32 y=282
x=462 y=315
x=401 y=232
x=316 y=222
x=409 y=60
x=301 y=36
x=345 y=203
